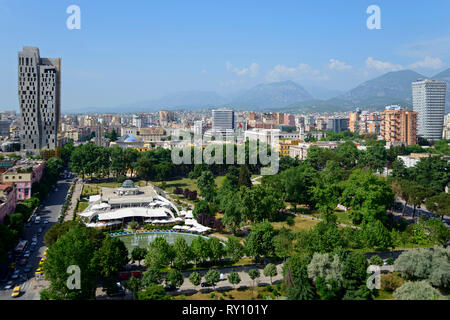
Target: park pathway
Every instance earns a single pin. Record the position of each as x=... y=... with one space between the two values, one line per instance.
x=73 y=202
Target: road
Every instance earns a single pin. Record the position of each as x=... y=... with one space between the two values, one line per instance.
x=51 y=208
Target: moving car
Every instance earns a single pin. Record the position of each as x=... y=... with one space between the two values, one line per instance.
x=39 y=232
x=16 y=292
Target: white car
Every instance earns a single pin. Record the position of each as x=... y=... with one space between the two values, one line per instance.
x=45 y=221
x=26 y=254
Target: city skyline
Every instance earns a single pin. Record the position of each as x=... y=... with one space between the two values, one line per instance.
x=225 y=50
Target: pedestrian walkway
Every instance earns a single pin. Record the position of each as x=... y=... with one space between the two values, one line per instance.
x=75 y=196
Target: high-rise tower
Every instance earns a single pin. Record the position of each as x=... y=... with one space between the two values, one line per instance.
x=39 y=91
x=429 y=102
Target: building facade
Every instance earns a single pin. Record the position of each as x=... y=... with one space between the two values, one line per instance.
x=39 y=92
x=399 y=126
x=429 y=102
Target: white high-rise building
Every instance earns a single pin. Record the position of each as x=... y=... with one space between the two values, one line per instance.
x=429 y=101
x=198 y=127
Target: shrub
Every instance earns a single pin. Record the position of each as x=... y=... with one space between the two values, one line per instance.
x=376 y=260
x=390 y=261
x=420 y=290
x=290 y=221
x=391 y=281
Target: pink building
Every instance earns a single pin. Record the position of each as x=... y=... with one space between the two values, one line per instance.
x=24 y=174
x=8 y=200
x=289 y=120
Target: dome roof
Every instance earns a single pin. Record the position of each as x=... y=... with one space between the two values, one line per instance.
x=128 y=184
x=130 y=138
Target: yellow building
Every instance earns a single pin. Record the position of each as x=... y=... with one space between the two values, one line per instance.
x=285 y=145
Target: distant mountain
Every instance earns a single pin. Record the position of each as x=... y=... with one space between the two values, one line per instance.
x=323 y=93
x=274 y=95
x=392 y=87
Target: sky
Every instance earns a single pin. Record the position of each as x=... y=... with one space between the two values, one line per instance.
x=128 y=51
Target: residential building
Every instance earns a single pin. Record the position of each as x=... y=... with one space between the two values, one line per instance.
x=399 y=126
x=337 y=124
x=24 y=174
x=412 y=159
x=8 y=199
x=429 y=102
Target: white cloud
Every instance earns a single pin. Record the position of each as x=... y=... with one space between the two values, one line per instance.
x=382 y=66
x=428 y=63
x=335 y=64
x=251 y=71
x=302 y=71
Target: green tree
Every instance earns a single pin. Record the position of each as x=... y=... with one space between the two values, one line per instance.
x=72 y=248
x=153 y=292
x=195 y=278
x=200 y=249
x=134 y=285
x=182 y=253
x=212 y=277
x=151 y=276
x=216 y=249
x=206 y=185
x=260 y=240
x=175 y=278
x=234 y=249
x=270 y=270
x=439 y=204
x=244 y=176
x=254 y=274
x=138 y=254
x=234 y=278
x=111 y=257
x=160 y=253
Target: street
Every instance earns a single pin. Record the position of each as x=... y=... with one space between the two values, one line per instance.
x=51 y=208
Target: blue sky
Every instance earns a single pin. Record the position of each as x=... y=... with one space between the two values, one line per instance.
x=129 y=51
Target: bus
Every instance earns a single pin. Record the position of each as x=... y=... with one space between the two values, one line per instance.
x=21 y=246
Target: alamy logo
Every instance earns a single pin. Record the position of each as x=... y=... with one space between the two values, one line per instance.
x=374 y=280
x=74 y=20
x=74 y=280
x=374 y=21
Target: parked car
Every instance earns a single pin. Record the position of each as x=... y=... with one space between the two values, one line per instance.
x=26 y=254
x=170 y=288
x=32 y=247
x=39 y=232
x=9 y=285
x=33 y=244
x=205 y=284
x=34 y=239
x=23 y=278
x=28 y=224
x=45 y=221
x=23 y=261
x=15 y=274
x=27 y=268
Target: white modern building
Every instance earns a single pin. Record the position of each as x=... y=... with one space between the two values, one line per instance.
x=429 y=101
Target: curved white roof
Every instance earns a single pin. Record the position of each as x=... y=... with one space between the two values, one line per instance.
x=135 y=212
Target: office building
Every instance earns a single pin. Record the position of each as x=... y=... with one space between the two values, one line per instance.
x=39 y=91
x=429 y=102
x=337 y=124
x=222 y=120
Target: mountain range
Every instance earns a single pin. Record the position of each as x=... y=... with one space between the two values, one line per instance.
x=375 y=94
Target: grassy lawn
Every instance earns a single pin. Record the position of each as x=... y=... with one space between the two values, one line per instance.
x=258 y=293
x=342 y=216
x=89 y=190
x=184 y=183
x=300 y=224
x=82 y=205
x=384 y=295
